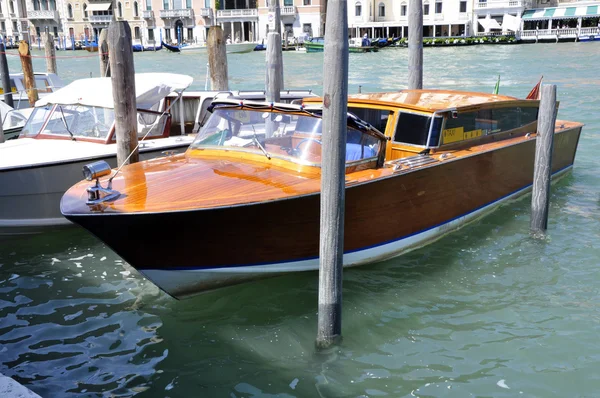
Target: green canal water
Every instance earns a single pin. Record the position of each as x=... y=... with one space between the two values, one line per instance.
x=484 y=312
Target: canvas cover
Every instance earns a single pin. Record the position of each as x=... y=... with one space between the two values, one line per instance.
x=149 y=89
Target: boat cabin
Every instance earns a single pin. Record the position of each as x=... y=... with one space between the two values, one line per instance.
x=84 y=109
x=383 y=128
x=429 y=121
x=289 y=133
x=45 y=83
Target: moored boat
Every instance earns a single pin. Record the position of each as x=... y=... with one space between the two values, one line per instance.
x=169 y=47
x=68 y=129
x=317 y=45
x=419 y=164
x=230 y=48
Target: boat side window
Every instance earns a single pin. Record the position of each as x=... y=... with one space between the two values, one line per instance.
x=42 y=84
x=412 y=128
x=80 y=122
x=474 y=124
x=377 y=118
x=295 y=137
x=13 y=88
x=36 y=121
x=151 y=124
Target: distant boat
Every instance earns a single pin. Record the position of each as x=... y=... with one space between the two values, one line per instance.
x=230 y=47
x=91 y=47
x=169 y=47
x=317 y=45
x=140 y=48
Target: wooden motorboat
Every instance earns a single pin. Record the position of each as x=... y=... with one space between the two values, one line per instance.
x=243 y=201
x=66 y=130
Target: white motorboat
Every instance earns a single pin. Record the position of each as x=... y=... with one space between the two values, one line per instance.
x=45 y=84
x=244 y=47
x=68 y=129
x=13 y=120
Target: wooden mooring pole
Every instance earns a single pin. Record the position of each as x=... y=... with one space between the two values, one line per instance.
x=103 y=53
x=8 y=97
x=274 y=58
x=217 y=59
x=50 y=53
x=123 y=88
x=415 y=44
x=275 y=15
x=542 y=173
x=333 y=161
x=28 y=78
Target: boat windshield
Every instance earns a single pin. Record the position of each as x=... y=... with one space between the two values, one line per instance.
x=70 y=120
x=290 y=136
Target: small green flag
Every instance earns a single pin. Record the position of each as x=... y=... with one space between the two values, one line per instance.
x=497 y=88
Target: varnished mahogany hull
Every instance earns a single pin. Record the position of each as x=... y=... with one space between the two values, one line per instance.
x=191 y=251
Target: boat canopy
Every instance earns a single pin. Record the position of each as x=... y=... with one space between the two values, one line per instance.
x=150 y=88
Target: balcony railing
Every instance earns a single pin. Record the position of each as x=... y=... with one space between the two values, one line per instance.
x=289 y=10
x=246 y=12
x=182 y=13
x=42 y=14
x=499 y=4
x=148 y=14
x=100 y=18
x=206 y=12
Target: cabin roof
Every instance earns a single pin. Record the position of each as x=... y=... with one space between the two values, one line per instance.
x=428 y=100
x=149 y=89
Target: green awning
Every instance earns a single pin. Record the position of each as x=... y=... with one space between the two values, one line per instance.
x=540 y=14
x=528 y=14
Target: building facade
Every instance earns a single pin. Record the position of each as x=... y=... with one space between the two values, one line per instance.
x=179 y=21
x=13 y=20
x=389 y=18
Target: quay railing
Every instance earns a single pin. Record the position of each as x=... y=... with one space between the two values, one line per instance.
x=495 y=34
x=589 y=31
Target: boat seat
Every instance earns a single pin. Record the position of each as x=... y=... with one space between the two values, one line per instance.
x=358 y=152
